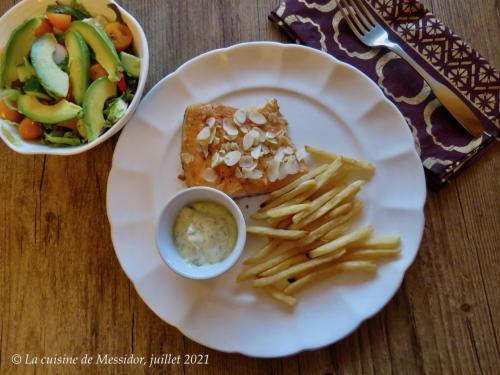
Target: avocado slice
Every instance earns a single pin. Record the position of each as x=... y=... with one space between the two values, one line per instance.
x=25 y=71
x=52 y=78
x=96 y=96
x=79 y=64
x=18 y=47
x=131 y=64
x=34 y=87
x=63 y=111
x=104 y=50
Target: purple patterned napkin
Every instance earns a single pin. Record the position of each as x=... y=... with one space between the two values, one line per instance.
x=445 y=148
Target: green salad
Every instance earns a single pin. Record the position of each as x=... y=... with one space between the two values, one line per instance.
x=67 y=76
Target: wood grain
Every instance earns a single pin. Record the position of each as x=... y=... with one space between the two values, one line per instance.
x=62 y=290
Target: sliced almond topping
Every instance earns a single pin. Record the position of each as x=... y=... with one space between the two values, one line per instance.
x=265 y=150
x=248 y=140
x=216 y=140
x=233 y=146
x=256 y=152
x=229 y=128
x=244 y=129
x=292 y=166
x=228 y=137
x=257 y=118
x=247 y=162
x=232 y=158
x=210 y=175
x=288 y=150
x=212 y=136
x=211 y=122
x=260 y=136
x=271 y=135
x=273 y=141
x=252 y=174
x=240 y=116
x=238 y=173
x=300 y=154
x=187 y=158
x=217 y=159
x=280 y=154
x=273 y=172
x=204 y=135
x=283 y=172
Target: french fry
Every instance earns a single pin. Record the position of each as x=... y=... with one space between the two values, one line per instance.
x=281 y=285
x=292 y=185
x=336 y=212
x=301 y=267
x=280 y=296
x=305 y=186
x=250 y=272
x=336 y=232
x=330 y=156
x=341 y=242
x=280 y=212
x=388 y=242
x=284 y=265
x=332 y=170
x=330 y=270
x=315 y=205
x=356 y=209
x=310 y=235
x=371 y=254
x=270 y=246
x=285 y=234
x=332 y=203
x=325 y=231
x=281 y=224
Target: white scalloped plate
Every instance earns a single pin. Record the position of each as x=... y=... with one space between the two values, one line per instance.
x=328 y=104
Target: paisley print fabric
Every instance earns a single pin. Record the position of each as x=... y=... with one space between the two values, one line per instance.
x=445 y=148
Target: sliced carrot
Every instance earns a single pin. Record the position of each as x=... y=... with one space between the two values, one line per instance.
x=120 y=35
x=30 y=130
x=44 y=28
x=59 y=21
x=97 y=71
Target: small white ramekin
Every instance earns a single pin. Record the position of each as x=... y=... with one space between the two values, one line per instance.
x=165 y=233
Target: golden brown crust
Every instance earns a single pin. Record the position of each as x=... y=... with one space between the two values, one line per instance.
x=197 y=155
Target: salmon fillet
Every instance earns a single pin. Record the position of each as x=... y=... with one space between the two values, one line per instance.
x=239 y=151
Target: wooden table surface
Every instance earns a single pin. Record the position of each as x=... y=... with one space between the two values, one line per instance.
x=62 y=290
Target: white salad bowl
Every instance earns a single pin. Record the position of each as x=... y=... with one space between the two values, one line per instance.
x=31 y=8
x=165 y=228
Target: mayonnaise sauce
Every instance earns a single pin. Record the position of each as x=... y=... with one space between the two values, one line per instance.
x=205 y=233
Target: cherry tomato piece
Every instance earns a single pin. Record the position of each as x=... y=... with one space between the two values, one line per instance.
x=9 y=114
x=59 y=21
x=44 y=28
x=120 y=35
x=69 y=124
x=97 y=71
x=30 y=130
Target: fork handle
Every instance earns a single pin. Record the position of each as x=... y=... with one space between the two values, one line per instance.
x=451 y=101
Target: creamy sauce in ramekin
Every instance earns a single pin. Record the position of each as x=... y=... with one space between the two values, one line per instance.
x=205 y=233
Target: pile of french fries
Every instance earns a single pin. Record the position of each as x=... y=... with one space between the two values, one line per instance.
x=309 y=229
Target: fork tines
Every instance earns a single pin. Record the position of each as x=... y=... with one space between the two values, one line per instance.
x=357 y=16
